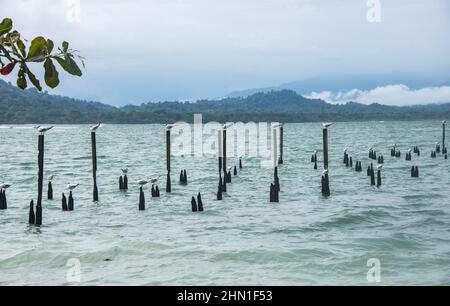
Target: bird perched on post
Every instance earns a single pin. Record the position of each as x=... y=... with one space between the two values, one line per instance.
x=72 y=186
x=153 y=179
x=326 y=125
x=43 y=129
x=170 y=126
x=51 y=177
x=4 y=186
x=124 y=171
x=141 y=182
x=95 y=127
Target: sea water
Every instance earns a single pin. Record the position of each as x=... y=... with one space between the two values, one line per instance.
x=306 y=239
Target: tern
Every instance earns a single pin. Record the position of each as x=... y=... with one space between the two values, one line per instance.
x=141 y=182
x=444 y=121
x=95 y=127
x=170 y=126
x=124 y=171
x=50 y=178
x=4 y=186
x=227 y=125
x=153 y=179
x=72 y=186
x=379 y=167
x=327 y=125
x=43 y=129
x=325 y=171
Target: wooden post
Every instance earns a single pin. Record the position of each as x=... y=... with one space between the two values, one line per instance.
x=325 y=148
x=38 y=220
x=168 y=153
x=220 y=150
x=444 y=149
x=224 y=159
x=281 y=144
x=94 y=165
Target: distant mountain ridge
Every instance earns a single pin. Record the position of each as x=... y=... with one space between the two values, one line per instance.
x=30 y=106
x=337 y=84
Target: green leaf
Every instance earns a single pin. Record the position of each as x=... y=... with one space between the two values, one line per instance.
x=21 y=47
x=6 y=53
x=65 y=46
x=33 y=79
x=21 y=80
x=38 y=48
x=50 y=46
x=51 y=74
x=69 y=65
x=6 y=26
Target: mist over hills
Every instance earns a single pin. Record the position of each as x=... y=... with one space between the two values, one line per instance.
x=31 y=106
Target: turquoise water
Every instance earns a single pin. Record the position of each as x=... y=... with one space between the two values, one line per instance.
x=243 y=240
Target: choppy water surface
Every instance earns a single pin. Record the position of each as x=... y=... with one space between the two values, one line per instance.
x=305 y=239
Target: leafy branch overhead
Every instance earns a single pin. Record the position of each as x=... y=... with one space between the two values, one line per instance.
x=13 y=53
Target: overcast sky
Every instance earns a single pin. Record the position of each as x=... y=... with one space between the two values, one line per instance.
x=151 y=50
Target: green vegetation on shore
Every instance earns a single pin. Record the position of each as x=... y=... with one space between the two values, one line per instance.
x=30 y=106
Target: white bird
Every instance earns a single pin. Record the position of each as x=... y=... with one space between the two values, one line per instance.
x=444 y=121
x=409 y=150
x=124 y=171
x=327 y=125
x=50 y=178
x=153 y=179
x=95 y=127
x=36 y=127
x=72 y=186
x=345 y=150
x=4 y=186
x=170 y=126
x=141 y=182
x=43 y=129
x=379 y=167
x=315 y=152
x=227 y=125
x=325 y=171
x=276 y=125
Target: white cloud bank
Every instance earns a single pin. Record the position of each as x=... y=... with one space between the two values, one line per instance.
x=388 y=95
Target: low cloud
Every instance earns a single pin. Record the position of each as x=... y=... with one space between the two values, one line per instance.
x=389 y=95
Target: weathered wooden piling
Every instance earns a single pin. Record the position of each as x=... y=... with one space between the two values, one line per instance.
x=94 y=165
x=372 y=178
x=414 y=171
x=38 y=219
x=325 y=179
x=240 y=163
x=224 y=157
x=194 y=205
x=315 y=164
x=141 y=199
x=379 y=178
x=121 y=185
x=235 y=171
x=64 y=206
x=71 y=205
x=200 y=202
x=281 y=161
x=185 y=177
x=168 y=161
x=351 y=162
x=444 y=148
x=50 y=191
x=219 y=190
x=31 y=215
x=325 y=148
x=3 y=200
x=125 y=182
